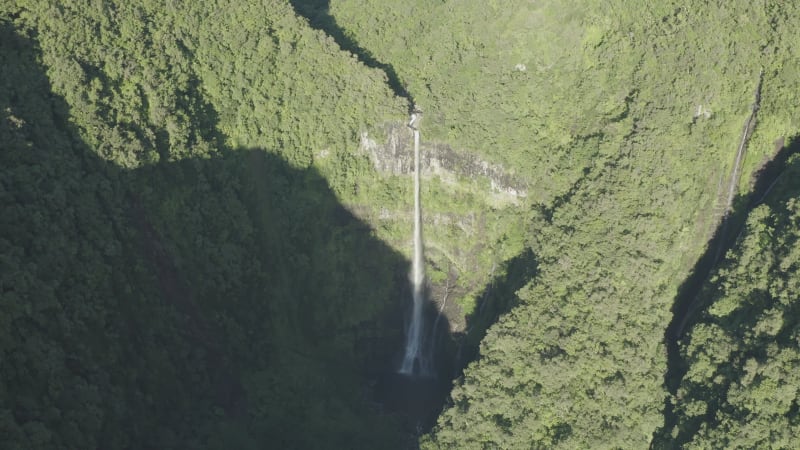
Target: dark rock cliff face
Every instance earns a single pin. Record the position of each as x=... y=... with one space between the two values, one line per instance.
x=395 y=156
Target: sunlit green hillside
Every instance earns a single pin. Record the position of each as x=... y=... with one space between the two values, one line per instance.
x=205 y=222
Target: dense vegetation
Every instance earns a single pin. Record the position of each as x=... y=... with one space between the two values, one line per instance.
x=181 y=266
x=740 y=388
x=626 y=119
x=216 y=298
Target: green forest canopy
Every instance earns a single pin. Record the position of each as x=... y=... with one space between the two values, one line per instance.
x=181 y=269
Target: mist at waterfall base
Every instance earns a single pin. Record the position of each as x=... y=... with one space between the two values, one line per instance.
x=417 y=395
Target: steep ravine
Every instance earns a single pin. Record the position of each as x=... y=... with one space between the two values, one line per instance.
x=720 y=242
x=688 y=303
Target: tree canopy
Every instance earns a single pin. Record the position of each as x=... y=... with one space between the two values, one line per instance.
x=201 y=245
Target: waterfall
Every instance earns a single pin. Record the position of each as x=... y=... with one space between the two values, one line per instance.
x=415 y=360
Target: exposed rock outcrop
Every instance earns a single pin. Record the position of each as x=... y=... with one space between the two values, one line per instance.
x=395 y=156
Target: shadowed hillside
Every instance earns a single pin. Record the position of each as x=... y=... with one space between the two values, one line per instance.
x=224 y=302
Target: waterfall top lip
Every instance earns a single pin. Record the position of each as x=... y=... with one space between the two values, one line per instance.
x=416 y=116
x=414 y=122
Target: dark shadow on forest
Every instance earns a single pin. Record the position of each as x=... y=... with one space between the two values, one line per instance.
x=234 y=294
x=690 y=300
x=318 y=14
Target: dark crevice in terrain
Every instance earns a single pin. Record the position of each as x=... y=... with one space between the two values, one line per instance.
x=689 y=301
x=318 y=14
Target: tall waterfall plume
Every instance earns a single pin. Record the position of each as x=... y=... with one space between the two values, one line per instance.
x=416 y=361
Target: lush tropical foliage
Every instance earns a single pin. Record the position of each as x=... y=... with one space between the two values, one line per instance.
x=197 y=250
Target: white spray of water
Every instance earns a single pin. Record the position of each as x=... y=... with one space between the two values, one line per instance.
x=415 y=361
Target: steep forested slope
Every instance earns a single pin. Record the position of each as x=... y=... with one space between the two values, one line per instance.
x=740 y=388
x=161 y=286
x=181 y=267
